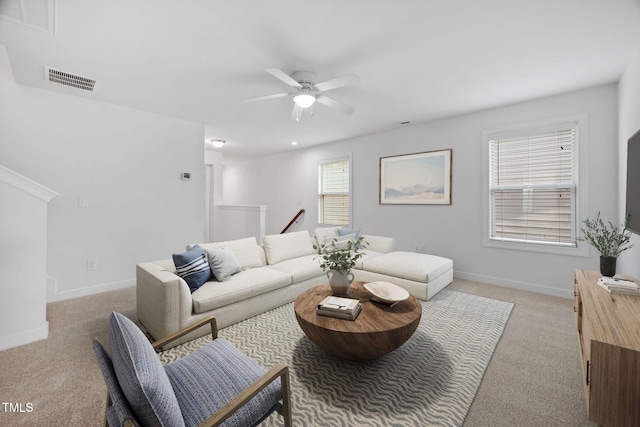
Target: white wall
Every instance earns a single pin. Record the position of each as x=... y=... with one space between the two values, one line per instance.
x=214 y=161
x=288 y=182
x=127 y=162
x=629 y=123
x=23 y=259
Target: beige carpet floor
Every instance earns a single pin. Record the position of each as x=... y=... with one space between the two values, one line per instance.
x=533 y=378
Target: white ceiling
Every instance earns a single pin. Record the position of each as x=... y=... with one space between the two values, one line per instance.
x=417 y=60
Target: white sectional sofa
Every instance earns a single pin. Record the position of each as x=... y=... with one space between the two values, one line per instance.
x=272 y=274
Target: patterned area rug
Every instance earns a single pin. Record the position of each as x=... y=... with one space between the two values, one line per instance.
x=431 y=380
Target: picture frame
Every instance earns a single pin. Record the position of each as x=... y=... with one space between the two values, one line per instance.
x=416 y=179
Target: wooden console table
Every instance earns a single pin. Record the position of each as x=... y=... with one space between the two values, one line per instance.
x=609 y=337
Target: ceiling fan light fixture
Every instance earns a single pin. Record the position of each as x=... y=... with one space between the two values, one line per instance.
x=304 y=100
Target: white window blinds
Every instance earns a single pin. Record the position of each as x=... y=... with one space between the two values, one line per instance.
x=533 y=186
x=334 y=197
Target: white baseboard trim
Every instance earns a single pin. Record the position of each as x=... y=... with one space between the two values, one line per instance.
x=57 y=295
x=25 y=337
x=524 y=286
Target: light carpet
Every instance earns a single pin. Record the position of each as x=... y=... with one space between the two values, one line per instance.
x=430 y=380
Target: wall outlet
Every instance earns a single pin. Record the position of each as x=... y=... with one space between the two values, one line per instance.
x=83 y=201
x=421 y=249
x=92 y=265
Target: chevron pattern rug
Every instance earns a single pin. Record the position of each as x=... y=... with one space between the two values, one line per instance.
x=431 y=380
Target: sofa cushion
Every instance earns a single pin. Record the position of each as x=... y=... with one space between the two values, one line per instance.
x=193 y=267
x=380 y=243
x=301 y=268
x=223 y=263
x=281 y=247
x=141 y=376
x=366 y=255
x=409 y=265
x=240 y=286
x=247 y=251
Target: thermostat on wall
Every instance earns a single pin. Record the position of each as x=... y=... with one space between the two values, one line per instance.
x=185 y=176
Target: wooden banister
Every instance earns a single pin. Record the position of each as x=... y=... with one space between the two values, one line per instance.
x=300 y=212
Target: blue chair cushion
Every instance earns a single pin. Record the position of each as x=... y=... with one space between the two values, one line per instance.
x=207 y=379
x=193 y=267
x=141 y=376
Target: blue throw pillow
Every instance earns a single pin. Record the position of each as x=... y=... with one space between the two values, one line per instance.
x=345 y=231
x=193 y=267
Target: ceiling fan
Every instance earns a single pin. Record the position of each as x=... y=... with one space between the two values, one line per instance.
x=307 y=91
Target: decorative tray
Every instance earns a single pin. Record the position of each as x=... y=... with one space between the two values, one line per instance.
x=386 y=292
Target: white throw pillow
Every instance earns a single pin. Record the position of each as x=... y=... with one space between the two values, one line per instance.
x=340 y=241
x=322 y=233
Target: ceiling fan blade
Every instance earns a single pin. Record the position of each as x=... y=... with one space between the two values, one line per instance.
x=337 y=105
x=282 y=76
x=337 y=82
x=262 y=98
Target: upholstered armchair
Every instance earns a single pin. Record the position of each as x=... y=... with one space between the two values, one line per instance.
x=215 y=385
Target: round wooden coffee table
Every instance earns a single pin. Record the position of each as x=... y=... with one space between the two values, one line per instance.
x=378 y=329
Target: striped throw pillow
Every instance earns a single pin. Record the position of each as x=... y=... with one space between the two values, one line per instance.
x=193 y=267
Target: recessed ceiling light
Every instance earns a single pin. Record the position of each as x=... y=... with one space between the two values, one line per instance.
x=294 y=143
x=218 y=143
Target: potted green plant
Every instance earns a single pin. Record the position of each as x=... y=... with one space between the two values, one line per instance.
x=610 y=240
x=337 y=259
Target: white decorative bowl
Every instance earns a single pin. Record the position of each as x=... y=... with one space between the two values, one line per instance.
x=387 y=292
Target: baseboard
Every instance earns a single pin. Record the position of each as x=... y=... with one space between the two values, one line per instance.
x=25 y=337
x=56 y=295
x=524 y=286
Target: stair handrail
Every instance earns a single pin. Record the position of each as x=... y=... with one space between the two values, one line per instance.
x=295 y=218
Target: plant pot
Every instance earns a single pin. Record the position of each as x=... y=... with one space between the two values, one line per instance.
x=608 y=266
x=339 y=282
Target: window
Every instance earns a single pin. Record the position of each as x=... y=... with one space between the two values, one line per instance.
x=533 y=181
x=334 y=191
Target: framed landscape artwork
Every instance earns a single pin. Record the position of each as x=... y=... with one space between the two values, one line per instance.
x=416 y=179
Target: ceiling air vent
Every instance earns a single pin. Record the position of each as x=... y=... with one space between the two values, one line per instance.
x=68 y=79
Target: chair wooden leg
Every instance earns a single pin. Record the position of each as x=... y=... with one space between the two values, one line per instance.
x=286 y=398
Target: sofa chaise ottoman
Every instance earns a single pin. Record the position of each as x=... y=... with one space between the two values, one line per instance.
x=422 y=275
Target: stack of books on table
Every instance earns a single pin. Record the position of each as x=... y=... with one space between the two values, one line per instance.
x=342 y=308
x=619 y=286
